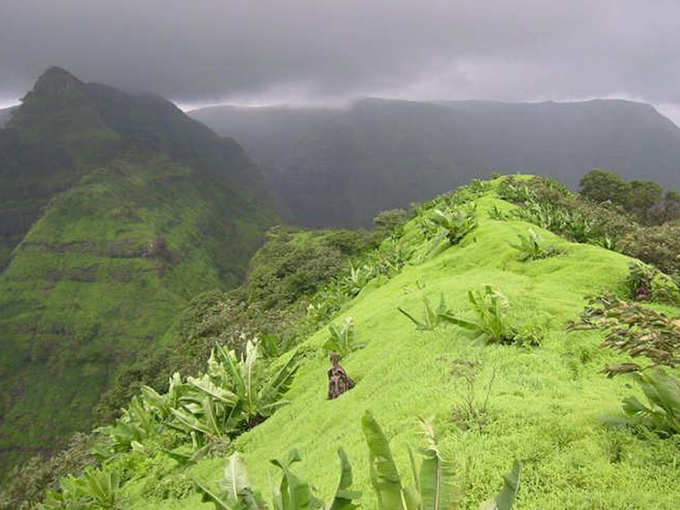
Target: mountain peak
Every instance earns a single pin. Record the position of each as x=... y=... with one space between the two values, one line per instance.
x=56 y=81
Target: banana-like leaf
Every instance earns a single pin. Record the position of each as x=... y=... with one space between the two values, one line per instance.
x=414 y=470
x=235 y=479
x=205 y=385
x=344 y=498
x=438 y=483
x=249 y=366
x=430 y=315
x=419 y=325
x=384 y=474
x=271 y=393
x=232 y=367
x=506 y=497
x=189 y=422
x=470 y=326
x=294 y=493
x=208 y=496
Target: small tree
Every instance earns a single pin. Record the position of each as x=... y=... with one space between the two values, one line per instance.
x=601 y=185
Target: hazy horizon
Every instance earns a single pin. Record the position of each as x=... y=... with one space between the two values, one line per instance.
x=310 y=52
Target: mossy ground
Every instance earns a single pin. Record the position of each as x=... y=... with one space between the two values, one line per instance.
x=545 y=406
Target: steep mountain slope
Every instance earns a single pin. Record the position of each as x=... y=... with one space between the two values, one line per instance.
x=339 y=167
x=6 y=115
x=545 y=402
x=114 y=211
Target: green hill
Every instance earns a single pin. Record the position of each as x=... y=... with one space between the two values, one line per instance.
x=542 y=403
x=115 y=210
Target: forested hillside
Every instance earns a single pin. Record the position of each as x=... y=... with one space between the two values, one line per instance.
x=115 y=210
x=341 y=166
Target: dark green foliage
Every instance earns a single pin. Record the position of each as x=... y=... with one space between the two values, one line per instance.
x=566 y=214
x=644 y=199
x=530 y=247
x=602 y=186
x=645 y=283
x=26 y=484
x=551 y=206
x=640 y=282
x=658 y=245
x=293 y=264
x=391 y=222
x=633 y=329
x=666 y=210
x=94 y=489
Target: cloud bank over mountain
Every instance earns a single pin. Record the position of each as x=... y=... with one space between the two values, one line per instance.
x=324 y=51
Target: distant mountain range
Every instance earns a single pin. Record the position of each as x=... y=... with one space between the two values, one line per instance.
x=339 y=167
x=115 y=210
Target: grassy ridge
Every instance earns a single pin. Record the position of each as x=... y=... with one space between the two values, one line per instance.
x=88 y=289
x=545 y=403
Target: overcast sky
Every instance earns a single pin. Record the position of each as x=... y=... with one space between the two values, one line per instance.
x=314 y=51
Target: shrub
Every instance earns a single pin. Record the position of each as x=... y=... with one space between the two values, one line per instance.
x=658 y=245
x=391 y=222
x=495 y=213
x=342 y=340
x=551 y=206
x=601 y=186
x=456 y=224
x=645 y=283
x=490 y=307
x=530 y=247
x=231 y=396
x=662 y=412
x=94 y=489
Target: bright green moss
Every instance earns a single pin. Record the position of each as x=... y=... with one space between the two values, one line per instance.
x=545 y=405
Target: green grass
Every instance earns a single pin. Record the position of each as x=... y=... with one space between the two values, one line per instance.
x=545 y=405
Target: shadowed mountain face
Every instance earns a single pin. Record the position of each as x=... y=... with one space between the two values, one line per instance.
x=339 y=167
x=115 y=210
x=6 y=115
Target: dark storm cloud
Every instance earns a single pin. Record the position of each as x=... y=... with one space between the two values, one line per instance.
x=296 y=50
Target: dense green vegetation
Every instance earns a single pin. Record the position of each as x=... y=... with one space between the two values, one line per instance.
x=115 y=211
x=644 y=199
x=529 y=390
